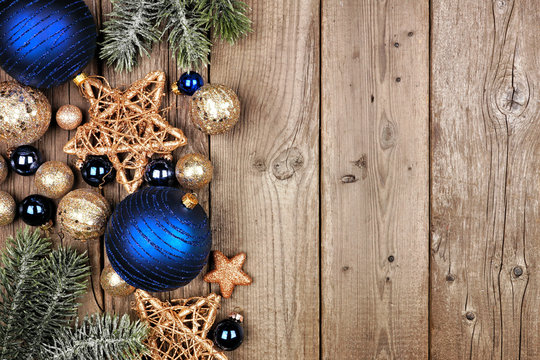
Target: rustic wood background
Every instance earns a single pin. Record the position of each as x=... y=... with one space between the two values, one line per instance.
x=383 y=179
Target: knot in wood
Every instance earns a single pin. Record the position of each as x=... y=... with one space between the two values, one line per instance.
x=348 y=179
x=388 y=136
x=287 y=163
x=470 y=316
x=259 y=165
x=512 y=93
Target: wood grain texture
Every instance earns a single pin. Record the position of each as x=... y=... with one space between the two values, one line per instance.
x=325 y=181
x=375 y=179
x=264 y=197
x=485 y=180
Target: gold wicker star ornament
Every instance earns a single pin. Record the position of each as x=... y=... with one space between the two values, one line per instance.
x=126 y=126
x=178 y=329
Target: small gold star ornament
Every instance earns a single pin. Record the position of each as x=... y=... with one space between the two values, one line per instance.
x=228 y=273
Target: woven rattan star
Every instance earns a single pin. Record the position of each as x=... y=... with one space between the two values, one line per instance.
x=228 y=273
x=178 y=329
x=126 y=126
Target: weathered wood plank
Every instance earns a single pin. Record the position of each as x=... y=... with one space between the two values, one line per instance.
x=375 y=179
x=486 y=156
x=264 y=197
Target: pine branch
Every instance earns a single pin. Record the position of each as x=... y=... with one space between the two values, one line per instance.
x=130 y=32
x=21 y=263
x=54 y=302
x=227 y=18
x=99 y=337
x=187 y=33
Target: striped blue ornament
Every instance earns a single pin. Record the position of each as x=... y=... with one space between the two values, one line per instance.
x=44 y=43
x=154 y=242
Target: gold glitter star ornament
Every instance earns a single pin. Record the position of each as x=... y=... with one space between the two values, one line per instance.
x=126 y=126
x=228 y=273
x=178 y=329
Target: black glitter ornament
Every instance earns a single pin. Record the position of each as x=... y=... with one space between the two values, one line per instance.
x=36 y=210
x=97 y=170
x=160 y=172
x=228 y=334
x=25 y=160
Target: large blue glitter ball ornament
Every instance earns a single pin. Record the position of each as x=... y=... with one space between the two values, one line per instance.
x=156 y=243
x=43 y=43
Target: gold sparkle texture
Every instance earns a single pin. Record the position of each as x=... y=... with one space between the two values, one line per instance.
x=113 y=284
x=194 y=171
x=68 y=117
x=7 y=208
x=25 y=114
x=54 y=179
x=228 y=273
x=83 y=214
x=215 y=109
x=3 y=169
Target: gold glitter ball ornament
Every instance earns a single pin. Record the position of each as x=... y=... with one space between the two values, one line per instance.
x=83 y=214
x=113 y=284
x=8 y=208
x=194 y=171
x=25 y=114
x=54 y=179
x=3 y=169
x=215 y=109
x=69 y=117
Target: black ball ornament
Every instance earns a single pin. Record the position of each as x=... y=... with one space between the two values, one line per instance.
x=25 y=160
x=36 y=210
x=97 y=170
x=160 y=172
x=43 y=43
x=228 y=334
x=158 y=239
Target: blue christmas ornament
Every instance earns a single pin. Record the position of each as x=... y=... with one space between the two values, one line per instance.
x=158 y=239
x=188 y=83
x=43 y=43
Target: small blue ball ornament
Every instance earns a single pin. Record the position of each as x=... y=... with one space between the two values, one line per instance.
x=188 y=83
x=43 y=43
x=160 y=172
x=97 y=170
x=36 y=210
x=158 y=239
x=25 y=160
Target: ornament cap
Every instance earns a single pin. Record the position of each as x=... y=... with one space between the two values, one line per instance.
x=236 y=317
x=79 y=79
x=175 y=89
x=190 y=200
